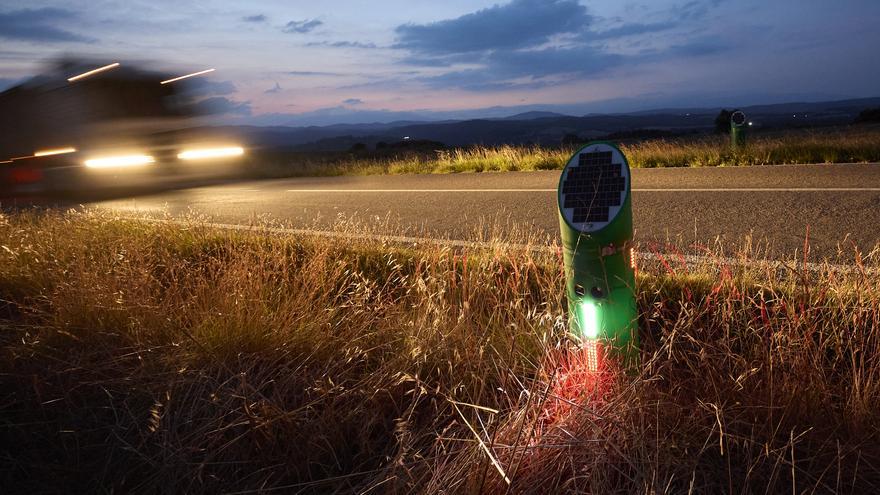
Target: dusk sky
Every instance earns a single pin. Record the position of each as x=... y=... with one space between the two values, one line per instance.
x=293 y=62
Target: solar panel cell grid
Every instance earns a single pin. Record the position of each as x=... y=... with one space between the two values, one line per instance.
x=593 y=187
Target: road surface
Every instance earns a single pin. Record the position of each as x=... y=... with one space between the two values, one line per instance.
x=684 y=208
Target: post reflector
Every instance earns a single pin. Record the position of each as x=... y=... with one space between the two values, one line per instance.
x=591 y=349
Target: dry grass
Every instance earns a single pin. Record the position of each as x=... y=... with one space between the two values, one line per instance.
x=472 y=159
x=144 y=357
x=856 y=144
x=837 y=145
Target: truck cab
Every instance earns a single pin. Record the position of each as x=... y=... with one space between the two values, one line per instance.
x=80 y=128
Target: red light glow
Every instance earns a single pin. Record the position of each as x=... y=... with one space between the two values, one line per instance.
x=580 y=377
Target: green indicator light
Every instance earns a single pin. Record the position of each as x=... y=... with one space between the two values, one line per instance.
x=589 y=319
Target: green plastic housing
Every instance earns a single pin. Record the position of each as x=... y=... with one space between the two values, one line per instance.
x=737 y=134
x=599 y=271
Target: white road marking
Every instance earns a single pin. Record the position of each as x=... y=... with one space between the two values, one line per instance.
x=415 y=190
x=739 y=189
x=769 y=189
x=689 y=259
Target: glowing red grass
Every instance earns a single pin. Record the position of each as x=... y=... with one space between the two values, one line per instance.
x=581 y=375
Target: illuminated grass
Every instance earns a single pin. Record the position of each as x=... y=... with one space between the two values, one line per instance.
x=837 y=145
x=139 y=357
x=855 y=145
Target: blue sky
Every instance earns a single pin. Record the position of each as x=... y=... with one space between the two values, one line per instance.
x=294 y=62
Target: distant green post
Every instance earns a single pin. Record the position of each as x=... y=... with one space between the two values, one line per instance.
x=595 y=217
x=737 y=129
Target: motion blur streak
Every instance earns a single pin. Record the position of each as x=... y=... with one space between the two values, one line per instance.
x=187 y=75
x=59 y=151
x=210 y=153
x=93 y=72
x=119 y=161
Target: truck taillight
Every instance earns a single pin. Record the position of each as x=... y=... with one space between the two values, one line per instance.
x=25 y=175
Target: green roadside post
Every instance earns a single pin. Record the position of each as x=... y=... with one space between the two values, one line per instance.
x=737 y=129
x=595 y=217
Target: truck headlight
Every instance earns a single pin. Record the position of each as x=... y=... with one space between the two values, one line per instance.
x=203 y=153
x=119 y=161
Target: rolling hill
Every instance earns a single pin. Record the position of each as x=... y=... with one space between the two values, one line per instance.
x=549 y=127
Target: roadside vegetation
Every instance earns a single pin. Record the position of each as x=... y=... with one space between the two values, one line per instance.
x=160 y=358
x=854 y=144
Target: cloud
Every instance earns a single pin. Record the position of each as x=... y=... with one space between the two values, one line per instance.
x=274 y=89
x=538 y=43
x=427 y=61
x=255 y=18
x=518 y=24
x=694 y=9
x=529 y=69
x=39 y=25
x=353 y=101
x=304 y=26
x=342 y=44
x=515 y=44
x=700 y=47
x=221 y=105
x=309 y=73
x=216 y=87
x=577 y=60
x=629 y=30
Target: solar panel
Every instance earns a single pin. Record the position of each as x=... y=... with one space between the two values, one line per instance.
x=594 y=187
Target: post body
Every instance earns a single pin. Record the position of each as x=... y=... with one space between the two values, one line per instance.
x=599 y=273
x=737 y=130
x=737 y=136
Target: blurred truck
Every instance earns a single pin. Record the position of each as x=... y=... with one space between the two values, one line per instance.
x=83 y=126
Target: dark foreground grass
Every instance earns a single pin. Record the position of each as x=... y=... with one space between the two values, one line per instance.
x=151 y=358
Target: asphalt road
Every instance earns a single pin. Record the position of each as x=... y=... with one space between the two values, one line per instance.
x=775 y=207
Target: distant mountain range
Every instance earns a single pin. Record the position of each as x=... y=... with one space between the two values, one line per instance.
x=540 y=127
